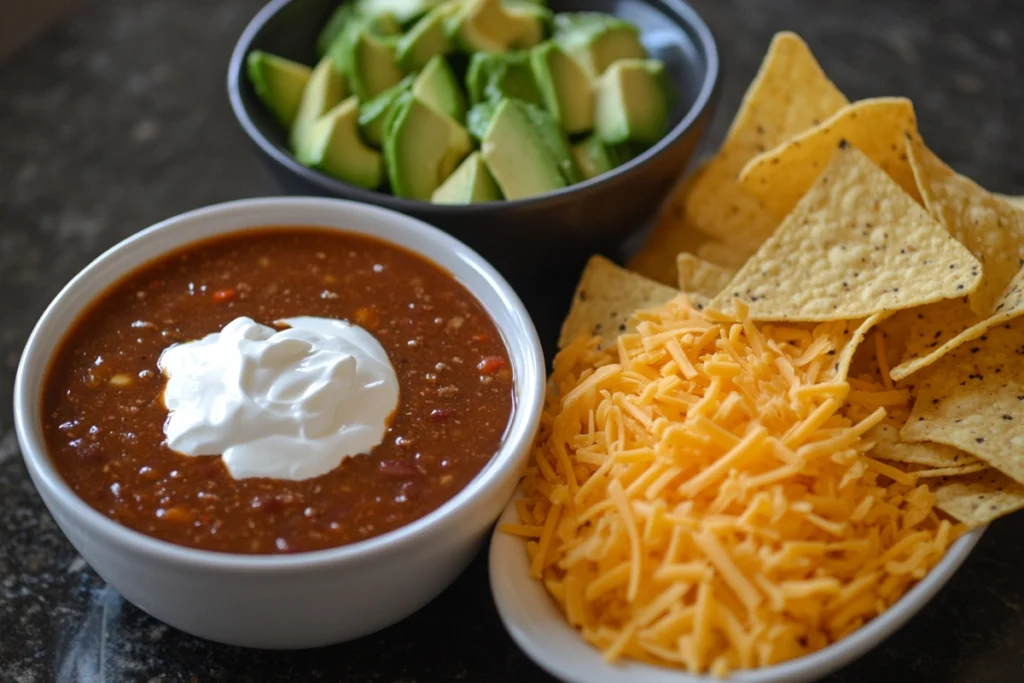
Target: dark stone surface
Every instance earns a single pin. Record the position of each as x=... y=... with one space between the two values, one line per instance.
x=119 y=119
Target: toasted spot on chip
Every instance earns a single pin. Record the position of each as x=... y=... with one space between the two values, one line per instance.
x=977 y=499
x=701 y=277
x=992 y=229
x=974 y=400
x=605 y=299
x=790 y=94
x=854 y=246
x=781 y=176
x=936 y=330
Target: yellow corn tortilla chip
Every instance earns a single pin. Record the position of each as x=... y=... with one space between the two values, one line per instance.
x=854 y=246
x=708 y=208
x=606 y=297
x=723 y=255
x=977 y=499
x=936 y=330
x=973 y=399
x=790 y=94
x=701 y=277
x=957 y=470
x=852 y=336
x=781 y=176
x=1016 y=201
x=889 y=446
x=990 y=228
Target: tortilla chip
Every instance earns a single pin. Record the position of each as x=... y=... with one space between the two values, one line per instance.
x=722 y=255
x=938 y=329
x=889 y=446
x=708 y=208
x=606 y=297
x=852 y=336
x=973 y=399
x=947 y=471
x=790 y=94
x=701 y=277
x=977 y=499
x=990 y=228
x=856 y=245
x=781 y=176
x=1016 y=201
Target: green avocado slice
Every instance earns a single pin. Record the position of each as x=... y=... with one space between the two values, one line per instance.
x=402 y=10
x=373 y=114
x=422 y=147
x=436 y=86
x=332 y=145
x=631 y=103
x=470 y=183
x=326 y=87
x=493 y=76
x=592 y=157
x=598 y=40
x=564 y=87
x=491 y=26
x=516 y=154
x=278 y=83
x=426 y=39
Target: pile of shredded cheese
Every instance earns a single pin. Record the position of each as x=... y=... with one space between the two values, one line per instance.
x=702 y=496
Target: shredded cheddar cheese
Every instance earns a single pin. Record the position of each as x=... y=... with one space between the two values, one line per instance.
x=702 y=496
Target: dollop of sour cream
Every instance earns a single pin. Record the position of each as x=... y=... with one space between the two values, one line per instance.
x=287 y=404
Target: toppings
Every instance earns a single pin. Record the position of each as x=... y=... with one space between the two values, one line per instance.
x=705 y=496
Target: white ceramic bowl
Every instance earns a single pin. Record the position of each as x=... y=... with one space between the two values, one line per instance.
x=540 y=629
x=306 y=599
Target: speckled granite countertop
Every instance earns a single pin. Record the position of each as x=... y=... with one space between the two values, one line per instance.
x=119 y=118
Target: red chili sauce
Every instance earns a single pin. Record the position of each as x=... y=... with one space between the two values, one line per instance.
x=104 y=412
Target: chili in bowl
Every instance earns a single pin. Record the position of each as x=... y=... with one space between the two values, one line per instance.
x=280 y=422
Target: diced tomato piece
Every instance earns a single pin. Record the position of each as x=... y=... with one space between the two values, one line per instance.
x=222 y=295
x=490 y=365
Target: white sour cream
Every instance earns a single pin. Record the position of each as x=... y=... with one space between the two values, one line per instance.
x=288 y=404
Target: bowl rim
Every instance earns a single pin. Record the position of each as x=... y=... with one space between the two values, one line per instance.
x=515 y=595
x=521 y=341
x=699 y=31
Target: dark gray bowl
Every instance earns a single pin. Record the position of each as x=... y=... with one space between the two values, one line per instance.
x=524 y=235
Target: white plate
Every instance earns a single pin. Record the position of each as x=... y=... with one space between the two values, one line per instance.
x=540 y=629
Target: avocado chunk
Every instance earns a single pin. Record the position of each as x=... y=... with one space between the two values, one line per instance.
x=436 y=86
x=422 y=147
x=631 y=105
x=426 y=39
x=592 y=157
x=332 y=145
x=554 y=140
x=493 y=76
x=489 y=26
x=471 y=183
x=373 y=114
x=564 y=88
x=478 y=120
x=278 y=82
x=336 y=23
x=402 y=10
x=598 y=40
x=368 y=61
x=326 y=87
x=516 y=154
